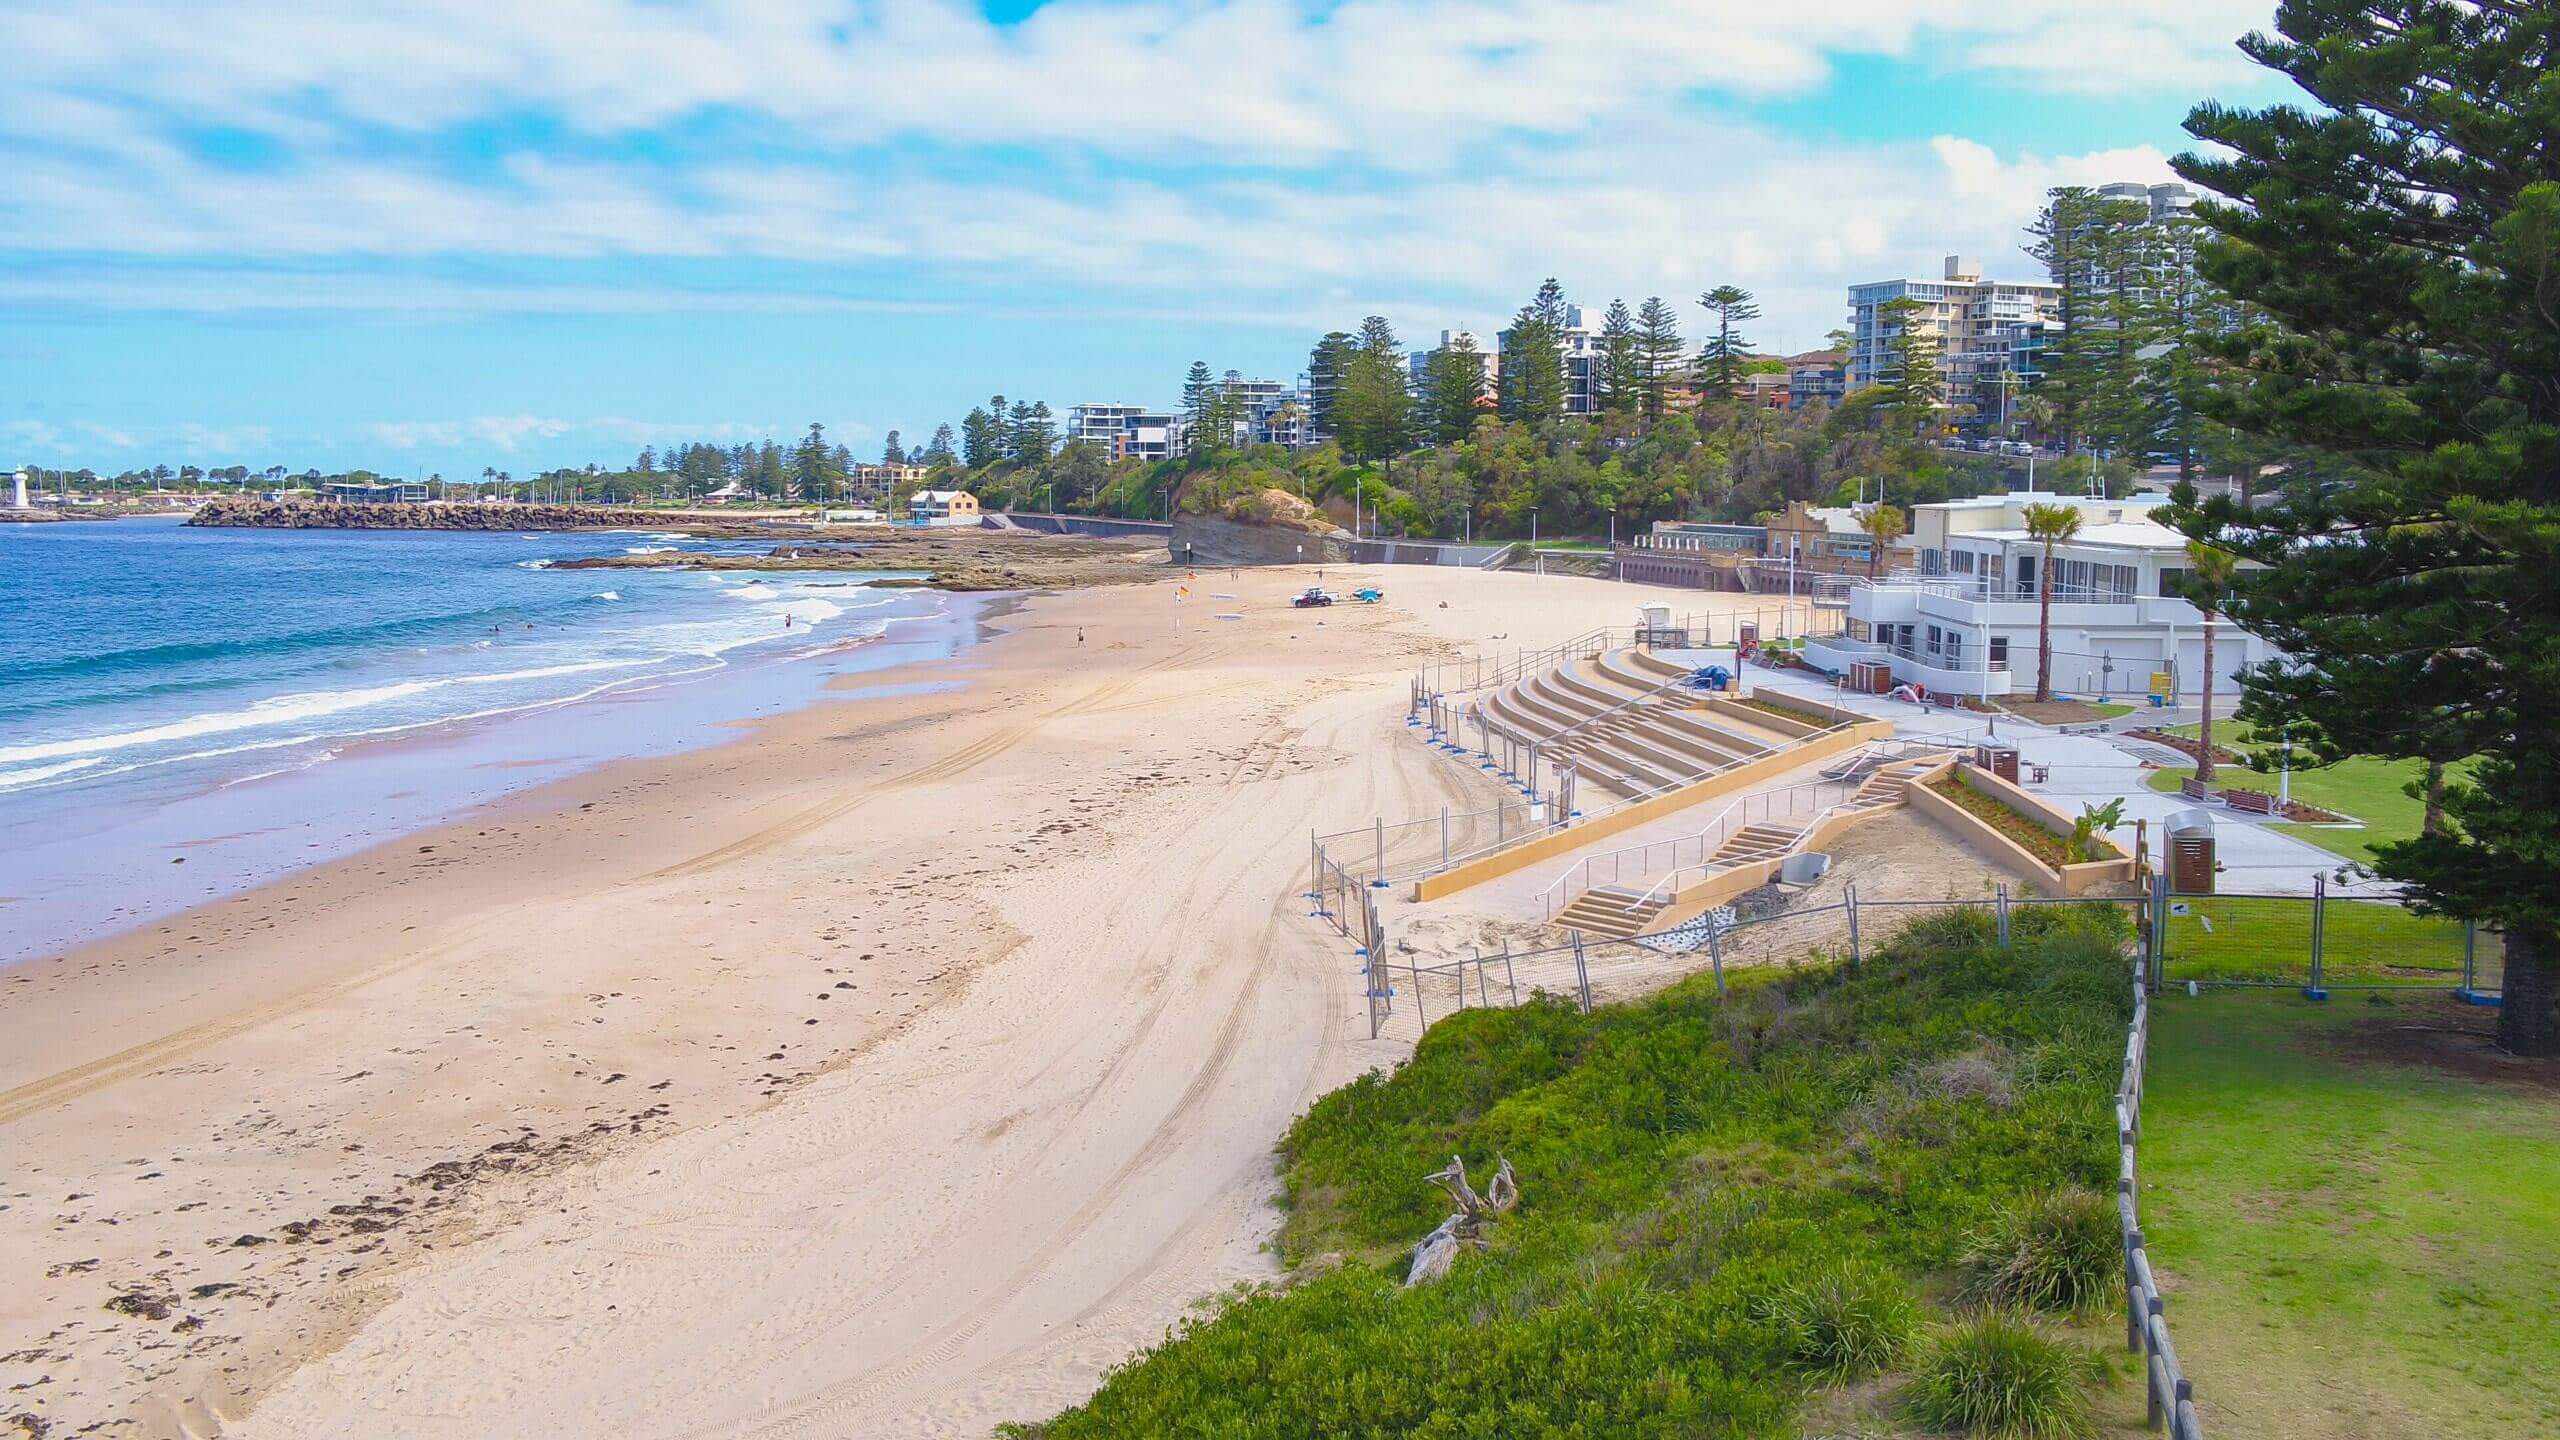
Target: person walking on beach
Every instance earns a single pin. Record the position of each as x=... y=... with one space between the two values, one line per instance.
x=1079 y=634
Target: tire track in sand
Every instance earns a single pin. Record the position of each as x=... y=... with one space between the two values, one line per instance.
x=977 y=752
x=64 y=1086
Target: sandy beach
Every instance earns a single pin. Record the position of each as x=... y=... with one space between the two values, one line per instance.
x=892 y=1070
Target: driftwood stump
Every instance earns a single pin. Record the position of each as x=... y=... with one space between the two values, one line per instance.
x=1438 y=1250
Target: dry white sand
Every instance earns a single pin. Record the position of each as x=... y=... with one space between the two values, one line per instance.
x=892 y=1070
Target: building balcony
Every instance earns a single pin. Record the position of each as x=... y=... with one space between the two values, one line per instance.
x=1967 y=600
x=1912 y=665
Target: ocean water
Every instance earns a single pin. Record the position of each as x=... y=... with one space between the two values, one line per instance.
x=164 y=687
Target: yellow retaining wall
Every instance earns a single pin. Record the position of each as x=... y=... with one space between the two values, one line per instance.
x=2075 y=879
x=1722 y=783
x=1694 y=900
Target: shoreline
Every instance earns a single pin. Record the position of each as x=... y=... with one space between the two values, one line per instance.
x=436 y=772
x=902 y=1065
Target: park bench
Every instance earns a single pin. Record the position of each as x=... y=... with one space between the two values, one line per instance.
x=2255 y=802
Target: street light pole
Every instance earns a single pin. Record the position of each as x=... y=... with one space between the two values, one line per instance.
x=2284 y=777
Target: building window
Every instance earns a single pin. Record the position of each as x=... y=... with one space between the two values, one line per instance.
x=1999 y=652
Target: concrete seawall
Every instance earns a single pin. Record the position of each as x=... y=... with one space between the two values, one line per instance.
x=1077 y=524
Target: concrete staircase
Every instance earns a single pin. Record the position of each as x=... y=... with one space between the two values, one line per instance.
x=1609 y=720
x=1612 y=912
x=1618 y=912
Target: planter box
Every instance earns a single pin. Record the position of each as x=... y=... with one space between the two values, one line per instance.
x=1799 y=717
x=2073 y=879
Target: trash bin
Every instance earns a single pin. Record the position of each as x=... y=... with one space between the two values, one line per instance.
x=2191 y=862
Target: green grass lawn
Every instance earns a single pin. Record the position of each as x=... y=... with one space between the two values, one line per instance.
x=2268 y=938
x=2371 y=791
x=2352 y=1245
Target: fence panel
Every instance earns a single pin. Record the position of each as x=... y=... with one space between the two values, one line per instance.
x=2322 y=942
x=2384 y=942
x=1812 y=935
x=2237 y=939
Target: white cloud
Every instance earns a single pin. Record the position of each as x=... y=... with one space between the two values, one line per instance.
x=32 y=435
x=1256 y=158
x=507 y=434
x=1244 y=78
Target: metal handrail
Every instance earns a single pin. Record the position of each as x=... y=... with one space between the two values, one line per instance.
x=1630 y=702
x=1719 y=827
x=1638 y=798
x=1848 y=798
x=1655 y=891
x=1504 y=672
x=1958 y=587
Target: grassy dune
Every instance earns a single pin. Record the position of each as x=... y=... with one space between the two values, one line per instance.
x=1739 y=1218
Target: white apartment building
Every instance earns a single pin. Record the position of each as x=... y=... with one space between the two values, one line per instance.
x=1964 y=622
x=1977 y=325
x=2167 y=201
x=1268 y=412
x=1417 y=361
x=877 y=483
x=1125 y=432
x=1581 y=346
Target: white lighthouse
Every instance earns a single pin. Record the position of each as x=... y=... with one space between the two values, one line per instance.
x=18 y=491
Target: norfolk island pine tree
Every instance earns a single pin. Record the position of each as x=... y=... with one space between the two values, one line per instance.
x=2400 y=239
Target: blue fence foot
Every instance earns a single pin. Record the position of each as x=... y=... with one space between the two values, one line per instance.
x=2475 y=997
x=2313 y=992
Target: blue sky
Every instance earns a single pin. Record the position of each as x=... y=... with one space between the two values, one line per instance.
x=441 y=236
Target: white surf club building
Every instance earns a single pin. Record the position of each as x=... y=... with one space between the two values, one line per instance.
x=1963 y=621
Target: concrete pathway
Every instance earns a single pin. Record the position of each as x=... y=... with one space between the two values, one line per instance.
x=2092 y=768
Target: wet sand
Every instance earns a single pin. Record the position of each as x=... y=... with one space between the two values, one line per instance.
x=892 y=1070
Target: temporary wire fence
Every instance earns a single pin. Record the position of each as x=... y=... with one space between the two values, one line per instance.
x=1793 y=620
x=2376 y=944
x=1494 y=979
x=2321 y=942
x=1408 y=991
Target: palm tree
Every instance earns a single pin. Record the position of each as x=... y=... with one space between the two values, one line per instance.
x=1884 y=525
x=2049 y=524
x=2036 y=414
x=2210 y=572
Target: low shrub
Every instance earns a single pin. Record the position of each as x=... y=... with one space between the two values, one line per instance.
x=2054 y=1250
x=1846 y=1321
x=1705 y=1234
x=1998 y=1375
